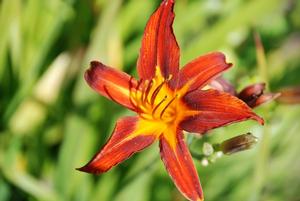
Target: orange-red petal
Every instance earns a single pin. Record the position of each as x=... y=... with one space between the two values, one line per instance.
x=216 y=109
x=179 y=164
x=122 y=144
x=159 y=46
x=111 y=83
x=202 y=70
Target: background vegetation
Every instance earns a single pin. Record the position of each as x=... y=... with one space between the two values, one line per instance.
x=51 y=122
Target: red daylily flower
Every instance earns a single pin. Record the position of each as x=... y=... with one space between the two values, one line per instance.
x=167 y=101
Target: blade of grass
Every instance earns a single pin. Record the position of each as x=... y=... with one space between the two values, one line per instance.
x=263 y=155
x=12 y=167
x=215 y=37
x=41 y=19
x=77 y=143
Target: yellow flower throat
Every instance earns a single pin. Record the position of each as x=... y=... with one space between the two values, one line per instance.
x=155 y=101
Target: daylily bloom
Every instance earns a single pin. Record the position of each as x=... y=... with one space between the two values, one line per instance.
x=253 y=95
x=167 y=101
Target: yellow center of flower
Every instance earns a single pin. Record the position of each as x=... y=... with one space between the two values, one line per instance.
x=155 y=101
x=159 y=107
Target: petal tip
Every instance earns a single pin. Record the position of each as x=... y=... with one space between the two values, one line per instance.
x=95 y=63
x=259 y=119
x=166 y=2
x=229 y=65
x=92 y=70
x=82 y=169
x=90 y=169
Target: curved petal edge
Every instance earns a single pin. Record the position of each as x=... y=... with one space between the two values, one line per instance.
x=159 y=43
x=111 y=83
x=122 y=144
x=216 y=109
x=179 y=164
x=199 y=72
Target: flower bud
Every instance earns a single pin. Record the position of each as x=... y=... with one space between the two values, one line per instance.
x=238 y=143
x=254 y=95
x=252 y=92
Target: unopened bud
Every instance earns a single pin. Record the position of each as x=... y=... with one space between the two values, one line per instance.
x=254 y=95
x=238 y=143
x=252 y=92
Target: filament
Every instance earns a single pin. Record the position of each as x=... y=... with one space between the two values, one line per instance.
x=157 y=106
x=156 y=91
x=165 y=108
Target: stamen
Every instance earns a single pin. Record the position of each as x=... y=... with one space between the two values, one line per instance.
x=156 y=91
x=109 y=95
x=147 y=91
x=144 y=87
x=145 y=116
x=136 y=98
x=131 y=93
x=157 y=106
x=139 y=84
x=165 y=108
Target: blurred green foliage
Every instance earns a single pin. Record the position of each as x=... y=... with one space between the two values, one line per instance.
x=51 y=122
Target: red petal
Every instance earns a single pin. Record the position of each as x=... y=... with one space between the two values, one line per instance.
x=111 y=83
x=179 y=164
x=215 y=109
x=120 y=146
x=202 y=70
x=159 y=46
